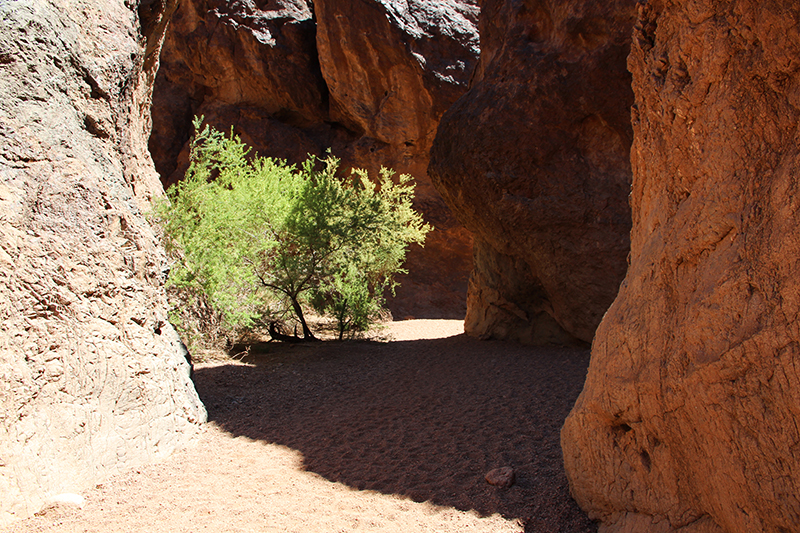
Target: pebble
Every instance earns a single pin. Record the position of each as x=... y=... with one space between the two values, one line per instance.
x=501 y=477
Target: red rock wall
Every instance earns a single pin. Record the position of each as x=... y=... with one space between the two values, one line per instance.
x=534 y=161
x=92 y=376
x=688 y=420
x=367 y=78
x=241 y=65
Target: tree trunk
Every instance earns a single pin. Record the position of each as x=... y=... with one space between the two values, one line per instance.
x=298 y=310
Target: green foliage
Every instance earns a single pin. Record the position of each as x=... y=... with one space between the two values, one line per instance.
x=262 y=240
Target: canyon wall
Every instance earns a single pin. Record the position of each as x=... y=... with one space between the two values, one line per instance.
x=368 y=79
x=688 y=420
x=534 y=160
x=92 y=376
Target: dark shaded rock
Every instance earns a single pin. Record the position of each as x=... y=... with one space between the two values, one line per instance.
x=506 y=301
x=688 y=420
x=534 y=160
x=221 y=59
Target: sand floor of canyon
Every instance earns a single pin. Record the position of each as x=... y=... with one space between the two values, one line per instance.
x=359 y=436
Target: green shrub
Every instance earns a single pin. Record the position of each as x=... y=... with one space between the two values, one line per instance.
x=263 y=241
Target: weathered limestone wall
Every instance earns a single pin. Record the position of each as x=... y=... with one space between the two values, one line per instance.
x=689 y=418
x=92 y=377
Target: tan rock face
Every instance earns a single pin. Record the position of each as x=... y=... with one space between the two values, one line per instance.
x=506 y=301
x=92 y=376
x=688 y=420
x=534 y=160
x=368 y=79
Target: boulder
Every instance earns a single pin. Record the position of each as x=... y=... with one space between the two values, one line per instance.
x=534 y=159
x=688 y=419
x=92 y=376
x=367 y=78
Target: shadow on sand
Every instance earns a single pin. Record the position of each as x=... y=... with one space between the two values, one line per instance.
x=423 y=419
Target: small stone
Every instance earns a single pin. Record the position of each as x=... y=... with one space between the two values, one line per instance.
x=501 y=477
x=68 y=500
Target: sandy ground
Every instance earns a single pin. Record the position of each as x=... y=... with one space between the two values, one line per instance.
x=359 y=436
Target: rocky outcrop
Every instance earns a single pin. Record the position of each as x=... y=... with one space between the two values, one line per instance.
x=392 y=69
x=534 y=159
x=367 y=78
x=92 y=376
x=688 y=420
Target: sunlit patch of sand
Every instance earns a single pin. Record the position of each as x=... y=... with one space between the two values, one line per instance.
x=410 y=330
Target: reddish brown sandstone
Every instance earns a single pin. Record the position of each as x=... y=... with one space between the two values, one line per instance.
x=393 y=68
x=534 y=160
x=688 y=421
x=238 y=65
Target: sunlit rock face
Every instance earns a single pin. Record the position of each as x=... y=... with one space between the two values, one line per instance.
x=688 y=420
x=534 y=160
x=369 y=79
x=92 y=376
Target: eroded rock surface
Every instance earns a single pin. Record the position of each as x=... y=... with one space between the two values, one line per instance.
x=393 y=68
x=369 y=79
x=534 y=159
x=92 y=376
x=238 y=64
x=688 y=420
